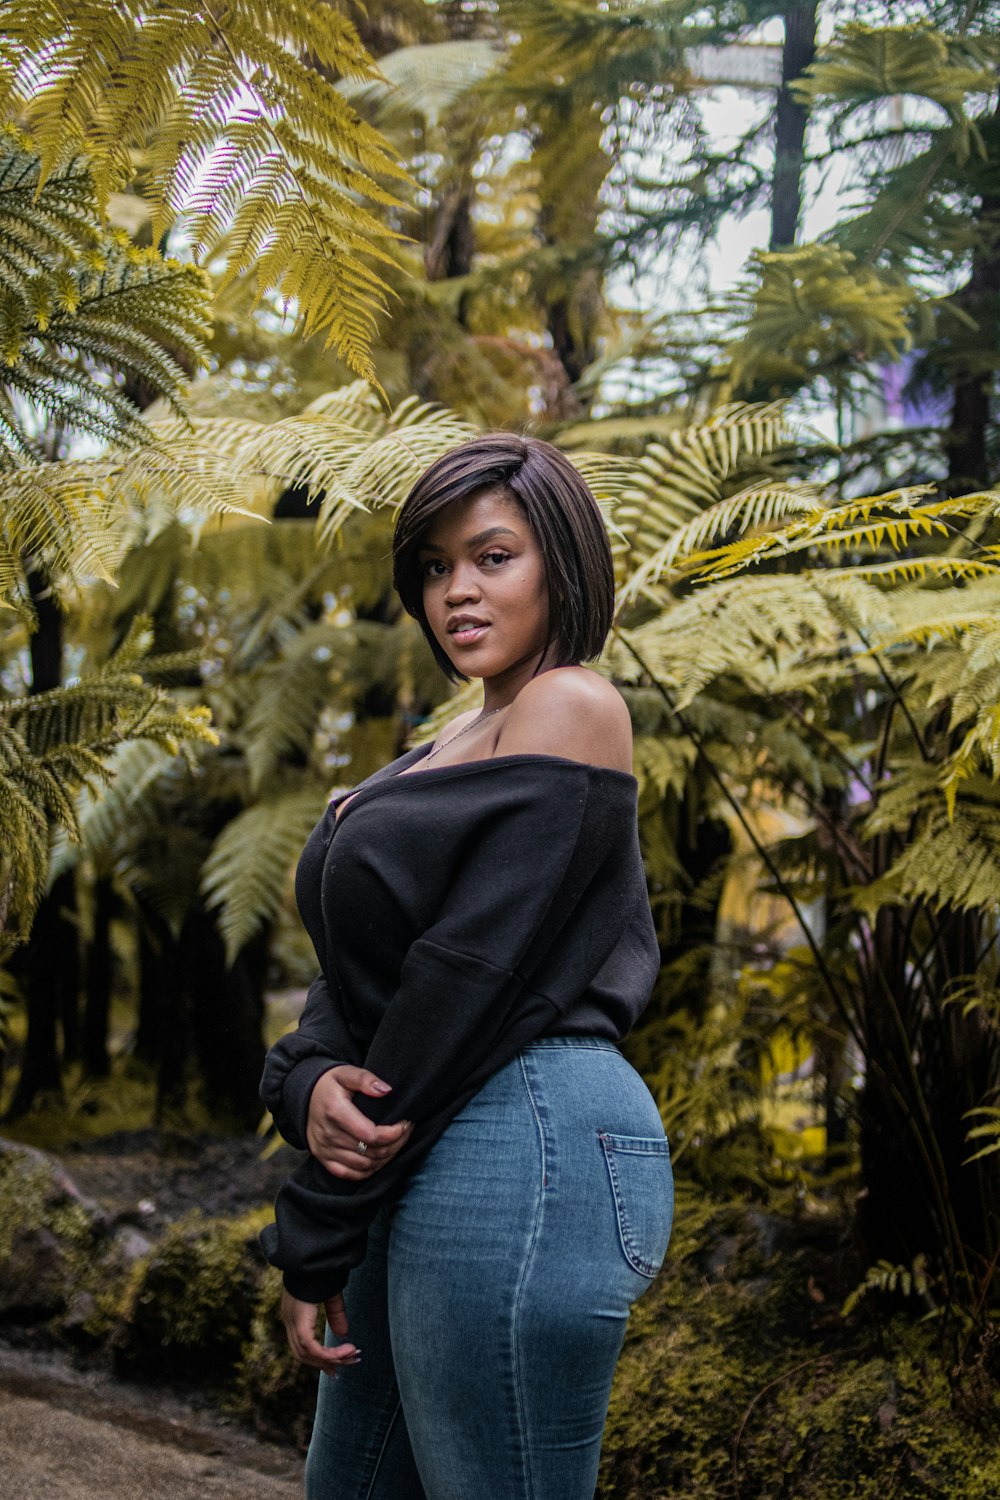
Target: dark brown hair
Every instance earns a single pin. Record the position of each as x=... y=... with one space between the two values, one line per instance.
x=563 y=514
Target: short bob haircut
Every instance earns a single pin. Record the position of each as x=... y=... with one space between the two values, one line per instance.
x=561 y=511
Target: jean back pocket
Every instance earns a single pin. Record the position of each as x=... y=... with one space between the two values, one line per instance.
x=642 y=1183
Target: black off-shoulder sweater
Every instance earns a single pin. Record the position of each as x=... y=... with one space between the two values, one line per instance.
x=457 y=915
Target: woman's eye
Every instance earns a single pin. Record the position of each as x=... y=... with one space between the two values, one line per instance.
x=433 y=562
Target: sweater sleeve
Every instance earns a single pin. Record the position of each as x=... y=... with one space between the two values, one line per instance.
x=298 y=1060
x=463 y=1008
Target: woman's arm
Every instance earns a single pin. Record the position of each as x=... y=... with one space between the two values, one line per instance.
x=310 y=1091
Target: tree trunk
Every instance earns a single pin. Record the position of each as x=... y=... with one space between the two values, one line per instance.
x=919 y=1195
x=47 y=966
x=791 y=118
x=227 y=1016
x=46 y=969
x=453 y=242
x=98 y=978
x=968 y=463
x=174 y=1033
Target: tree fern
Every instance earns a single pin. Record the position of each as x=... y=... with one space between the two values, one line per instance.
x=862 y=64
x=245 y=874
x=78 y=306
x=243 y=131
x=55 y=742
x=815 y=309
x=666 y=494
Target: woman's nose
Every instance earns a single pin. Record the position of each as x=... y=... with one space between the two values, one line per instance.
x=462 y=586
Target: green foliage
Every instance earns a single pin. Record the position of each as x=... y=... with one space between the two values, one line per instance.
x=890 y=603
x=676 y=497
x=247 y=870
x=55 y=742
x=271 y=1388
x=864 y=64
x=193 y=1299
x=815 y=310
x=988 y=1129
x=908 y=1281
x=78 y=305
x=243 y=132
x=423 y=81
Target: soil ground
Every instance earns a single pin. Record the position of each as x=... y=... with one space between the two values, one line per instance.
x=150 y=1177
x=68 y=1434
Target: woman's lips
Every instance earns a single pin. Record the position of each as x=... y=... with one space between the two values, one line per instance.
x=466 y=634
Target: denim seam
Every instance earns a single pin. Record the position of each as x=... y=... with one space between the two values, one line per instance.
x=596 y=1043
x=381 y=1451
x=536 y=1229
x=385 y=1436
x=629 y=1145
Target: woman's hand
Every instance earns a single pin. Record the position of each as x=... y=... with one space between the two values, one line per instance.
x=336 y=1126
x=299 y=1319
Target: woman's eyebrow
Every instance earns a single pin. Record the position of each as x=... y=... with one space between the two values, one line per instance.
x=471 y=541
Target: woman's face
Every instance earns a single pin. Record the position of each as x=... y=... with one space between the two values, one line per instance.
x=481 y=558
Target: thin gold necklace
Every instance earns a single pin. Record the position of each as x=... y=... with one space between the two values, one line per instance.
x=454 y=737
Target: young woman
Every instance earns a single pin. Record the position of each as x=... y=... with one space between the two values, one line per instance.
x=489 y=1186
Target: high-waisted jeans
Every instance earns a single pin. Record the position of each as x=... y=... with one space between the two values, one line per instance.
x=492 y=1304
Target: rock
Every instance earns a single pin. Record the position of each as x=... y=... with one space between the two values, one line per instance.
x=33 y=1275
x=80 y=1315
x=48 y=1232
x=190 y=1304
x=130 y=1245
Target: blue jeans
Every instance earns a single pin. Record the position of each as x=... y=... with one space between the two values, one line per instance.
x=493 y=1301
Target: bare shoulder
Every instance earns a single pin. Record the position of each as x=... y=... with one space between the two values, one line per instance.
x=573 y=712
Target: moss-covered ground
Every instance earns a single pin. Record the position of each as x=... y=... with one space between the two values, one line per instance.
x=741 y=1380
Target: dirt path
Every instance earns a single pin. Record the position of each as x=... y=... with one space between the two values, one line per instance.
x=71 y=1436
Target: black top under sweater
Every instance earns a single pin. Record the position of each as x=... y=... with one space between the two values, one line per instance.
x=457 y=915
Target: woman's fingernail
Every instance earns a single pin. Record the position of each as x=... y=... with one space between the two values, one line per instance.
x=383 y=1088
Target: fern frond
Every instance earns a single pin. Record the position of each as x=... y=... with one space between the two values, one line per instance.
x=422 y=81
x=380 y=472
x=242 y=127
x=107 y=813
x=82 y=311
x=869 y=523
x=245 y=874
x=675 y=482
x=750 y=509
x=53 y=744
x=79 y=517
x=911 y=1280
x=862 y=64
x=814 y=308
x=288 y=699
x=989 y=1130
x=952 y=857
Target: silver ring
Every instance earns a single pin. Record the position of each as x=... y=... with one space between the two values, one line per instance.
x=362 y=1147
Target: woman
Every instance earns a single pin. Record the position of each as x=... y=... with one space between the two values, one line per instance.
x=488 y=1187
